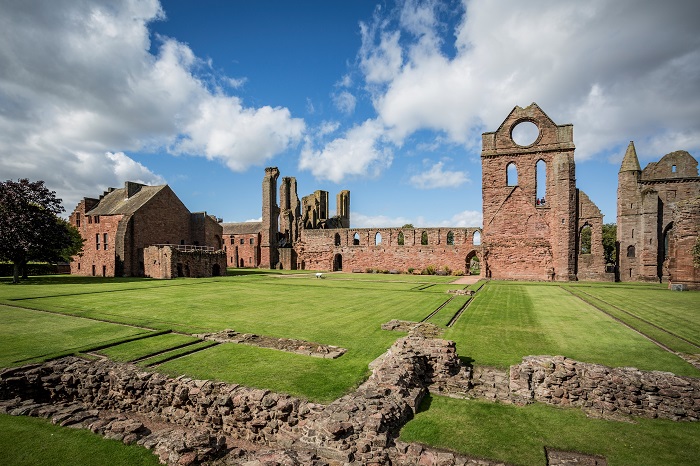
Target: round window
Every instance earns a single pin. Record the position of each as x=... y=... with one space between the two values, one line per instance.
x=525 y=133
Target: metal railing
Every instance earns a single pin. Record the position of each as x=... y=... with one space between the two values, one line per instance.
x=188 y=247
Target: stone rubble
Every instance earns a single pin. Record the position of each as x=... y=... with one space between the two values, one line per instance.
x=186 y=421
x=289 y=345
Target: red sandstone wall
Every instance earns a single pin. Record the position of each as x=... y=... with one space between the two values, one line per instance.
x=317 y=249
x=245 y=247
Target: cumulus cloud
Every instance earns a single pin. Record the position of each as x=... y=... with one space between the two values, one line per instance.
x=467 y=218
x=80 y=89
x=359 y=220
x=618 y=70
x=437 y=177
x=360 y=152
x=345 y=102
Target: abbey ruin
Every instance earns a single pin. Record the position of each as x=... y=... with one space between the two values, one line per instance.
x=534 y=220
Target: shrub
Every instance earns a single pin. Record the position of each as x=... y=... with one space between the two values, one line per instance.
x=410 y=270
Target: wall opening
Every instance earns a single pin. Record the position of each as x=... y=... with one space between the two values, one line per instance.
x=400 y=241
x=179 y=270
x=337 y=239
x=476 y=238
x=541 y=181
x=337 y=263
x=424 y=238
x=242 y=263
x=511 y=174
x=630 y=251
x=377 y=239
x=450 y=238
x=525 y=133
x=585 y=239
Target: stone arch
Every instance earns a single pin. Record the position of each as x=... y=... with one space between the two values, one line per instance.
x=338 y=263
x=336 y=240
x=630 y=251
x=541 y=183
x=377 y=239
x=511 y=174
x=585 y=239
x=450 y=238
x=217 y=241
x=476 y=238
x=400 y=240
x=356 y=239
x=242 y=263
x=424 y=238
x=468 y=260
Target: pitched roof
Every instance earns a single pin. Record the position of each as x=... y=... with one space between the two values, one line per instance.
x=242 y=228
x=117 y=202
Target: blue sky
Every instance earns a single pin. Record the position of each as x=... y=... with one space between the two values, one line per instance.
x=386 y=99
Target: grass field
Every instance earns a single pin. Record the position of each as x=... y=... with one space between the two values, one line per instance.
x=125 y=319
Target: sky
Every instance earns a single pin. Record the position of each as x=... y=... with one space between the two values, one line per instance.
x=385 y=98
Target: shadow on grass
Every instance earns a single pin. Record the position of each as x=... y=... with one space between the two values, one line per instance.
x=71 y=280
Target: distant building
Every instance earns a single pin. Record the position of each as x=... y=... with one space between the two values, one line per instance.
x=242 y=243
x=121 y=223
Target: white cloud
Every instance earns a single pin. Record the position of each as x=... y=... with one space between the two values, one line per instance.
x=467 y=218
x=618 y=70
x=359 y=220
x=345 y=102
x=78 y=81
x=436 y=177
x=259 y=219
x=359 y=153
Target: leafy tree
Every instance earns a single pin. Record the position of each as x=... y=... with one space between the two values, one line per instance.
x=30 y=228
x=696 y=253
x=408 y=226
x=585 y=240
x=609 y=243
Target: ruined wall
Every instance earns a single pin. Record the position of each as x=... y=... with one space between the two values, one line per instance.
x=270 y=215
x=167 y=262
x=381 y=249
x=100 y=248
x=525 y=238
x=590 y=266
x=205 y=230
x=686 y=226
x=646 y=204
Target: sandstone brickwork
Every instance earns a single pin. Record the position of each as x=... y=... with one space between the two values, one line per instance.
x=530 y=233
x=119 y=225
x=647 y=201
x=172 y=261
x=242 y=243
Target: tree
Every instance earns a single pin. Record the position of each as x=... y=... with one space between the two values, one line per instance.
x=610 y=243
x=696 y=253
x=30 y=228
x=408 y=226
x=585 y=240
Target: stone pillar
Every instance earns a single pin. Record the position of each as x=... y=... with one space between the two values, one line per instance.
x=270 y=215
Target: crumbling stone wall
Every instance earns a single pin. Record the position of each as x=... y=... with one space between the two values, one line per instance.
x=590 y=266
x=646 y=204
x=336 y=249
x=608 y=391
x=169 y=261
x=524 y=238
x=686 y=223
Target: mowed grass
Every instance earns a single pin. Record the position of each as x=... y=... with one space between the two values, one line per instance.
x=27 y=441
x=518 y=434
x=507 y=321
x=136 y=349
x=27 y=335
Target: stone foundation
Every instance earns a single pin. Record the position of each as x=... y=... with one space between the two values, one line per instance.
x=189 y=421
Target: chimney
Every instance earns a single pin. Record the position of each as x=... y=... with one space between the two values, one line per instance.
x=132 y=188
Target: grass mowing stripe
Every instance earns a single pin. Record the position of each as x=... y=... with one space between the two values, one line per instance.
x=664 y=339
x=449 y=310
x=432 y=314
x=459 y=313
x=138 y=349
x=175 y=353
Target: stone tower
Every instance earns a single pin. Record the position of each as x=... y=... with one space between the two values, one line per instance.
x=342 y=202
x=290 y=209
x=629 y=215
x=270 y=215
x=529 y=233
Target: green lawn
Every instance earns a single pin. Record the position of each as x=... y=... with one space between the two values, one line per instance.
x=504 y=322
x=26 y=335
x=518 y=434
x=27 y=441
x=507 y=321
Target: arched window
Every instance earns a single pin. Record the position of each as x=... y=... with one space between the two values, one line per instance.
x=476 y=238
x=450 y=238
x=377 y=239
x=337 y=239
x=356 y=239
x=541 y=183
x=424 y=238
x=400 y=240
x=667 y=236
x=511 y=174
x=585 y=240
x=630 y=251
